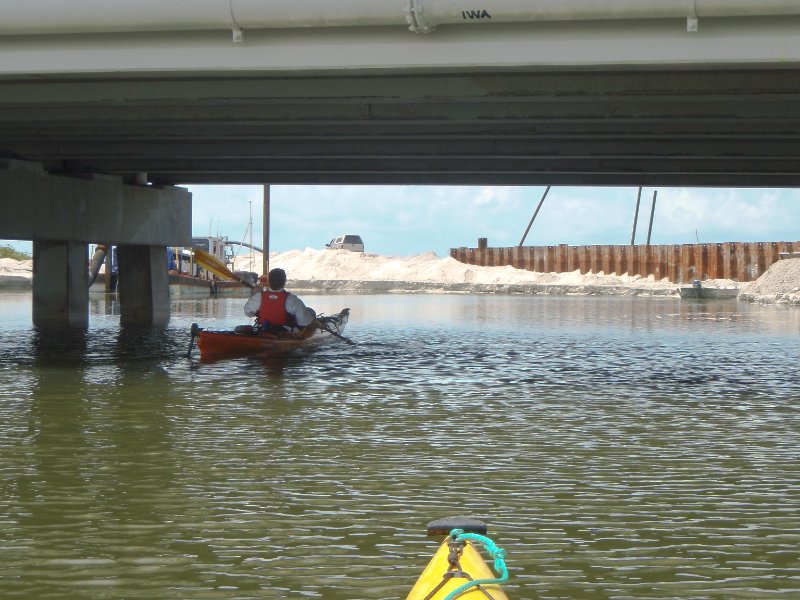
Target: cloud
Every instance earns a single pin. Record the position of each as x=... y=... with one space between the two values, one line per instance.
x=497 y=197
x=718 y=215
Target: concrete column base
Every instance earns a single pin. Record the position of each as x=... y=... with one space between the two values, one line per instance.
x=60 y=283
x=143 y=285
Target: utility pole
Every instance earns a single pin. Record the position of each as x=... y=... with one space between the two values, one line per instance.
x=265 y=232
x=250 y=228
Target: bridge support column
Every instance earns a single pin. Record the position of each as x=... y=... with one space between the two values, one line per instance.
x=60 y=283
x=143 y=285
x=90 y=208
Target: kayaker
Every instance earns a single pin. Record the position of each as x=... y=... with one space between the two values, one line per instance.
x=274 y=308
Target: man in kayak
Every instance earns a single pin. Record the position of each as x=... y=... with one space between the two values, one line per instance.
x=274 y=308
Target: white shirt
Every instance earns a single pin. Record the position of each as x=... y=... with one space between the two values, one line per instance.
x=294 y=306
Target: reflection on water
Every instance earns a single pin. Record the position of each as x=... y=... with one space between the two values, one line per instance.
x=627 y=448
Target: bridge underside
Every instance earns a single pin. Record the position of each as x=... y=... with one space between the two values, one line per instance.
x=102 y=110
x=688 y=127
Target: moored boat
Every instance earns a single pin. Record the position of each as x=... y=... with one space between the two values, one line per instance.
x=245 y=340
x=698 y=291
x=457 y=569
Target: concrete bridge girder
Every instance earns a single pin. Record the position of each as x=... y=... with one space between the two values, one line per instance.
x=62 y=215
x=90 y=208
x=690 y=127
x=532 y=93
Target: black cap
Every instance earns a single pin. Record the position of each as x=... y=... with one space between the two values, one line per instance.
x=446 y=525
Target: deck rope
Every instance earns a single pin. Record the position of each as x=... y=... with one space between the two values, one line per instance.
x=497 y=553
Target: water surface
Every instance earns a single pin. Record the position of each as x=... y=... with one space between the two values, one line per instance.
x=618 y=447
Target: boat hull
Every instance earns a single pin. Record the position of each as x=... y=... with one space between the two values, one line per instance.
x=707 y=293
x=216 y=344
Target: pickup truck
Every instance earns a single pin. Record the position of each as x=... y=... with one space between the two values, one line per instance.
x=346 y=242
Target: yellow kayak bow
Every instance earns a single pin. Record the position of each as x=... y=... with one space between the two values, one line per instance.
x=458 y=571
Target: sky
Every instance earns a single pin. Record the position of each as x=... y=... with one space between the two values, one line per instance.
x=409 y=220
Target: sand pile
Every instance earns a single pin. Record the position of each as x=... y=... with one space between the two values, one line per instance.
x=780 y=284
x=353 y=271
x=16 y=273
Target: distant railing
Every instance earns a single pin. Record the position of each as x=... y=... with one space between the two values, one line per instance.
x=739 y=261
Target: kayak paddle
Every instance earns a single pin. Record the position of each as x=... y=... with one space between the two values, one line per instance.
x=214 y=265
x=195 y=329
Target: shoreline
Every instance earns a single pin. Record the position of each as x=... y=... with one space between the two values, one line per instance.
x=18 y=283
x=340 y=271
x=21 y=284
x=433 y=287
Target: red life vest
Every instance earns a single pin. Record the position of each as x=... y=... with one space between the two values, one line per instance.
x=273 y=309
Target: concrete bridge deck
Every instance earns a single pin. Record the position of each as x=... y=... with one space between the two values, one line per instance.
x=704 y=92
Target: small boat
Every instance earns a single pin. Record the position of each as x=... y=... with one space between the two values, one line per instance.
x=246 y=339
x=457 y=570
x=698 y=291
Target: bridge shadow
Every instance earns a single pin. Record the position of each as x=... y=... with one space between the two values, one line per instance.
x=59 y=345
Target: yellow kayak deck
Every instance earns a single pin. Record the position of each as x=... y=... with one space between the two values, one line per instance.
x=442 y=576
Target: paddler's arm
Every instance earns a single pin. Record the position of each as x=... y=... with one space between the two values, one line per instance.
x=303 y=315
x=253 y=304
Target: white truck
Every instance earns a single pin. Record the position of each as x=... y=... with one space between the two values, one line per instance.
x=346 y=242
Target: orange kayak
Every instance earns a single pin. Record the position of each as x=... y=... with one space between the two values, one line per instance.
x=244 y=340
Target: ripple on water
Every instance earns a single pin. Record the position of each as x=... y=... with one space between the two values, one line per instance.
x=619 y=447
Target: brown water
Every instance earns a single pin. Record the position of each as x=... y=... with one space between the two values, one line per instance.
x=618 y=447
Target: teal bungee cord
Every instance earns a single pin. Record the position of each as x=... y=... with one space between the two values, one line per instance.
x=497 y=553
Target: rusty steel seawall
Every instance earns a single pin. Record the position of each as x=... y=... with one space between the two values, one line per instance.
x=682 y=263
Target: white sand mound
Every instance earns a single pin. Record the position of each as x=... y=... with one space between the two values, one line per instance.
x=425 y=270
x=779 y=284
x=16 y=273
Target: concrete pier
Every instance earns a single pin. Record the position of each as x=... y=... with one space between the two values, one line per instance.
x=143 y=285
x=63 y=214
x=60 y=284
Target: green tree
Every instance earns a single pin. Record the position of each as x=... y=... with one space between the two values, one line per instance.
x=7 y=251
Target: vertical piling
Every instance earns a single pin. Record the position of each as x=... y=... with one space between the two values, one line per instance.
x=652 y=213
x=636 y=216
x=607 y=259
x=713 y=260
